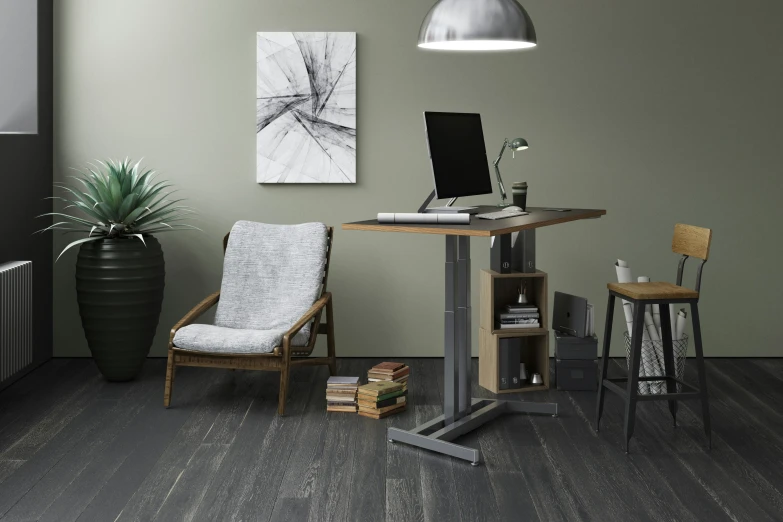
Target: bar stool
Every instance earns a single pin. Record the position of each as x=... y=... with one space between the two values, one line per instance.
x=689 y=241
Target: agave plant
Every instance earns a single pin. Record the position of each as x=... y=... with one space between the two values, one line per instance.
x=117 y=200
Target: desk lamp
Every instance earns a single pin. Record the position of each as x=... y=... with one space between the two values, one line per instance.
x=515 y=145
x=477 y=25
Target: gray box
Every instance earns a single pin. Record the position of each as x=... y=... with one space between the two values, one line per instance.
x=568 y=347
x=576 y=375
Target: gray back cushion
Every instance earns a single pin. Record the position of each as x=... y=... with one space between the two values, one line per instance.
x=271 y=275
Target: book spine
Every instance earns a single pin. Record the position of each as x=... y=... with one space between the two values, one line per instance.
x=503 y=363
x=388 y=376
x=534 y=325
x=515 y=355
x=384 y=403
x=385 y=396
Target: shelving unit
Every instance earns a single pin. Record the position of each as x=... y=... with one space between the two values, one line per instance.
x=497 y=291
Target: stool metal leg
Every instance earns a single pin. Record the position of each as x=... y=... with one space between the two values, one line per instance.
x=633 y=371
x=599 y=409
x=705 y=405
x=668 y=358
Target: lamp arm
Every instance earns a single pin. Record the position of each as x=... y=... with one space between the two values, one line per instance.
x=500 y=154
x=495 y=164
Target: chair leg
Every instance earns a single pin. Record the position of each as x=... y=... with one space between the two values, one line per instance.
x=633 y=372
x=705 y=404
x=670 y=368
x=170 y=371
x=330 y=338
x=283 y=383
x=604 y=362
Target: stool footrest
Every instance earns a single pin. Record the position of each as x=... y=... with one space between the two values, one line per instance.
x=669 y=396
x=614 y=384
x=675 y=380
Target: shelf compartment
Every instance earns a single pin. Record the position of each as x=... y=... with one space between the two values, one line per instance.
x=499 y=290
x=535 y=355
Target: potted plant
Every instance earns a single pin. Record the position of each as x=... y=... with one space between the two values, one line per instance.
x=120 y=270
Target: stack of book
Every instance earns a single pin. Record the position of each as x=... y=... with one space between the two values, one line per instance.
x=382 y=398
x=341 y=394
x=389 y=371
x=520 y=316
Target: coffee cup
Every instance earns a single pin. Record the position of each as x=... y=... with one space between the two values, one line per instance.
x=519 y=194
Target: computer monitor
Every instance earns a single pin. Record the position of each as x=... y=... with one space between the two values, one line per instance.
x=459 y=158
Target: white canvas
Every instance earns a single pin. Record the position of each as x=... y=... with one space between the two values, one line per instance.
x=306 y=108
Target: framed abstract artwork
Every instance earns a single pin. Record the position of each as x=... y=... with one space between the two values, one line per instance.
x=306 y=107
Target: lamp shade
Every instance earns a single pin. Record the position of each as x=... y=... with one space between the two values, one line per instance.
x=477 y=25
x=518 y=144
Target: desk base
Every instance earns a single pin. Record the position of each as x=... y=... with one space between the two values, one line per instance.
x=435 y=435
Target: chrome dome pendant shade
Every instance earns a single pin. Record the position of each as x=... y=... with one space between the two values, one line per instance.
x=477 y=25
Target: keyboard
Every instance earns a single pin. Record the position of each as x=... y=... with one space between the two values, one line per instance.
x=502 y=214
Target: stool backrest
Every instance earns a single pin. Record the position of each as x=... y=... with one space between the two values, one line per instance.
x=692 y=241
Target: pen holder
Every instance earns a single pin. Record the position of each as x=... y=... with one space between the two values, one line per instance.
x=652 y=363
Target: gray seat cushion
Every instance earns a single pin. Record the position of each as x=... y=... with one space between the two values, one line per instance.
x=216 y=339
x=272 y=275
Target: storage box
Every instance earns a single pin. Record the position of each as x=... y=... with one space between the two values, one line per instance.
x=569 y=348
x=576 y=375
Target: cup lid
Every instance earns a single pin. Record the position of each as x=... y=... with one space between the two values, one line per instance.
x=519 y=184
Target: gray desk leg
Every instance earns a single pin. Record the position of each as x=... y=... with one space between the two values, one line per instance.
x=450 y=378
x=436 y=435
x=461 y=414
x=463 y=325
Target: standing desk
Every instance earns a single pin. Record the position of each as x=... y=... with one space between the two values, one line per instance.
x=512 y=249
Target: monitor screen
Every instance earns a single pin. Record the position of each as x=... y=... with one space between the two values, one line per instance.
x=459 y=158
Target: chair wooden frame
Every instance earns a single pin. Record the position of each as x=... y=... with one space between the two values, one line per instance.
x=281 y=359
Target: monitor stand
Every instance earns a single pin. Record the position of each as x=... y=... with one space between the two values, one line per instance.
x=447 y=208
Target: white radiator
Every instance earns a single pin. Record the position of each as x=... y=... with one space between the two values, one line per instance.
x=16 y=317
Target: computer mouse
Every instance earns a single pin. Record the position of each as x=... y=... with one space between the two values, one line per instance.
x=512 y=208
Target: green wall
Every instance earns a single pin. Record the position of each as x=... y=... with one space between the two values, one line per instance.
x=660 y=112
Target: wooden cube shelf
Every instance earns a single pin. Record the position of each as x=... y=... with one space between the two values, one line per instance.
x=497 y=291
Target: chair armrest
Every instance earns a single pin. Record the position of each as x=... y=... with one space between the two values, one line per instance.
x=194 y=314
x=306 y=318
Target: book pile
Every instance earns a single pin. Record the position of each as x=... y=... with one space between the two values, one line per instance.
x=389 y=371
x=520 y=315
x=341 y=394
x=382 y=398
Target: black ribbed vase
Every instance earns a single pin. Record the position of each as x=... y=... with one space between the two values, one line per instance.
x=119 y=287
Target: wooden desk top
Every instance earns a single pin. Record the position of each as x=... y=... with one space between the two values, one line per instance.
x=537 y=218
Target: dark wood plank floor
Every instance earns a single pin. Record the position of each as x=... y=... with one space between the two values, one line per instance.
x=74 y=447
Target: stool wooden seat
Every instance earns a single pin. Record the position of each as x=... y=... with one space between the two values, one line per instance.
x=652 y=291
x=689 y=241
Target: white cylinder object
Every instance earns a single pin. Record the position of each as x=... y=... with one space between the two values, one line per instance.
x=682 y=316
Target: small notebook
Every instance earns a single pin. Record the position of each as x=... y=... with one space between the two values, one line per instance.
x=342 y=380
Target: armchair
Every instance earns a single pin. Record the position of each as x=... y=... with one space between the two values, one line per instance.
x=272 y=297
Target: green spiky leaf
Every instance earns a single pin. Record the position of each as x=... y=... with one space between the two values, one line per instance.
x=118 y=198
